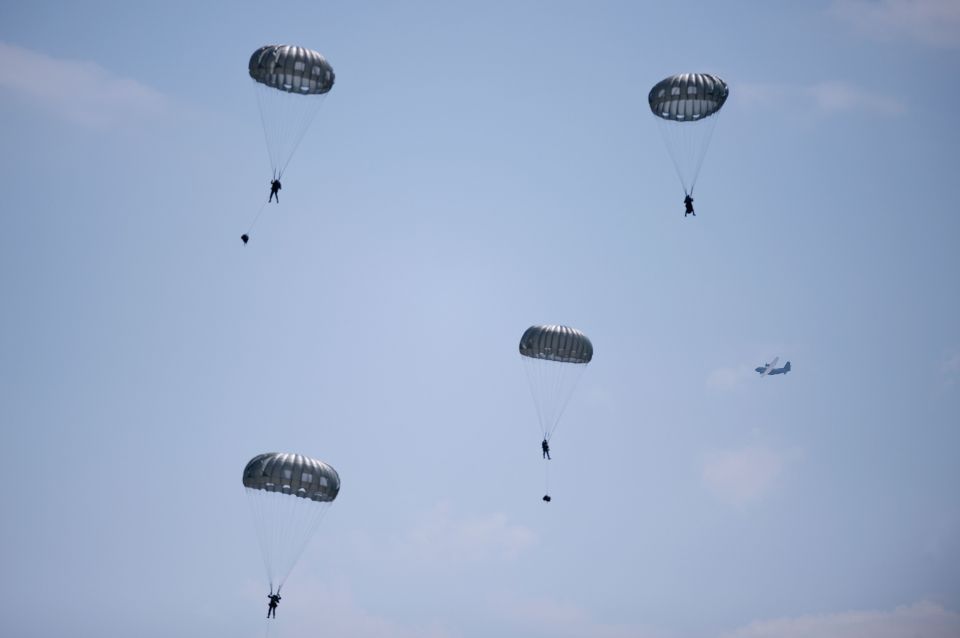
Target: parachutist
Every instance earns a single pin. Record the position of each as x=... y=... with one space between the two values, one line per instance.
x=687 y=105
x=554 y=356
x=275 y=190
x=688 y=203
x=245 y=237
x=287 y=518
x=272 y=605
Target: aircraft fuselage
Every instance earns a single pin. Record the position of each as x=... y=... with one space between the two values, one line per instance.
x=762 y=370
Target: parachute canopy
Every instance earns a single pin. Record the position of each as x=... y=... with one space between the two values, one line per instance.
x=556 y=343
x=291 y=83
x=291 y=69
x=554 y=358
x=288 y=496
x=292 y=474
x=688 y=96
x=686 y=106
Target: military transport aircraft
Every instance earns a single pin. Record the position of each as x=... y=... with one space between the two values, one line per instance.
x=770 y=368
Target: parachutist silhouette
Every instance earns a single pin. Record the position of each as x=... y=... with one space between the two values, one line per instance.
x=245 y=237
x=275 y=190
x=272 y=605
x=545 y=446
x=688 y=203
x=546 y=498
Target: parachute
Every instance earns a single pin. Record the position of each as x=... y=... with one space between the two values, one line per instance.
x=291 y=83
x=288 y=496
x=554 y=358
x=686 y=106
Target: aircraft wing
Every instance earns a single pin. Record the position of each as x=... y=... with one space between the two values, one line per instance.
x=770 y=366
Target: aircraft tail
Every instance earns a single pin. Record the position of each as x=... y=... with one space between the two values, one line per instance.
x=786 y=368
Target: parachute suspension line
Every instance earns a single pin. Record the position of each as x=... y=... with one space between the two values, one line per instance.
x=532 y=377
x=552 y=384
x=687 y=144
x=266 y=128
x=258 y=515
x=699 y=147
x=569 y=384
x=312 y=522
x=303 y=517
x=536 y=375
x=285 y=523
x=665 y=133
x=306 y=118
x=286 y=117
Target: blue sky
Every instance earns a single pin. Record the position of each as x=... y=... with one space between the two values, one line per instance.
x=476 y=169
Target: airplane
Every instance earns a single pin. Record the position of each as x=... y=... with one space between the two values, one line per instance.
x=770 y=368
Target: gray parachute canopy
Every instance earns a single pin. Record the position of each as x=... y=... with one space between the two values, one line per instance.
x=688 y=97
x=556 y=343
x=291 y=69
x=292 y=474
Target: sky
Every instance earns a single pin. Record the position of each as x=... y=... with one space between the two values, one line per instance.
x=479 y=168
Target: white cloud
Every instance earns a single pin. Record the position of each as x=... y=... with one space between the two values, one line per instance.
x=745 y=475
x=824 y=98
x=922 y=620
x=932 y=22
x=80 y=92
x=443 y=537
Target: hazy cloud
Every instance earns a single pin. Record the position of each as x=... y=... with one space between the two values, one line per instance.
x=729 y=378
x=342 y=616
x=841 y=96
x=442 y=536
x=932 y=22
x=824 y=98
x=745 y=475
x=951 y=364
x=950 y=369
x=549 y=617
x=925 y=619
x=80 y=92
